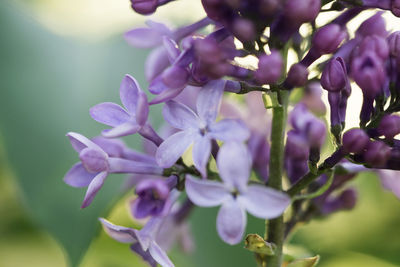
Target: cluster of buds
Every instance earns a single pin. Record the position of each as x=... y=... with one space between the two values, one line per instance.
x=191 y=74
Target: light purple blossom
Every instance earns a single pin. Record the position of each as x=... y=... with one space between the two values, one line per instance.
x=96 y=164
x=198 y=129
x=128 y=120
x=234 y=194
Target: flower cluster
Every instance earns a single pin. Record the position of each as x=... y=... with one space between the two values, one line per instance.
x=218 y=109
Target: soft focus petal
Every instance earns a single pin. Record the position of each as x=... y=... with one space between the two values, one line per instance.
x=109 y=113
x=129 y=93
x=234 y=162
x=144 y=254
x=119 y=233
x=93 y=188
x=142 y=109
x=180 y=116
x=143 y=37
x=205 y=193
x=229 y=130
x=173 y=148
x=166 y=95
x=231 y=222
x=156 y=62
x=159 y=27
x=264 y=202
x=78 y=176
x=123 y=129
x=159 y=255
x=80 y=142
x=118 y=165
x=391 y=181
x=172 y=49
x=209 y=100
x=201 y=154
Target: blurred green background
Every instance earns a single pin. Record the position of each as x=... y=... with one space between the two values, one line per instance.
x=59 y=58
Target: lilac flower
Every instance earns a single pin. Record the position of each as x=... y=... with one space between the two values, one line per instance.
x=234 y=194
x=124 y=121
x=390 y=180
x=198 y=129
x=95 y=166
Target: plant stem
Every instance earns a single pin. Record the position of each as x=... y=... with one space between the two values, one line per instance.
x=276 y=227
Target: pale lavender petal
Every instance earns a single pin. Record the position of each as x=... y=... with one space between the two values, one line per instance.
x=80 y=142
x=93 y=188
x=156 y=62
x=149 y=232
x=78 y=176
x=109 y=113
x=129 y=93
x=206 y=193
x=173 y=148
x=209 y=100
x=157 y=85
x=159 y=255
x=143 y=37
x=118 y=165
x=180 y=116
x=142 y=109
x=123 y=129
x=229 y=130
x=172 y=49
x=201 y=154
x=166 y=95
x=264 y=202
x=144 y=254
x=159 y=27
x=231 y=222
x=234 y=163
x=119 y=233
x=390 y=180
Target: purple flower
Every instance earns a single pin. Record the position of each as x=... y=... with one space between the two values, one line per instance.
x=199 y=128
x=128 y=120
x=334 y=76
x=234 y=194
x=269 y=68
x=355 y=141
x=297 y=76
x=389 y=126
x=328 y=38
x=95 y=166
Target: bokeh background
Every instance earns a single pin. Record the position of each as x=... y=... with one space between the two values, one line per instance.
x=60 y=57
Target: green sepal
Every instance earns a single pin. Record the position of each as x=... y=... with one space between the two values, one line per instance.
x=257 y=244
x=306 y=262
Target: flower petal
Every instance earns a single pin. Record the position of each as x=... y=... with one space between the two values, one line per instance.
x=231 y=222
x=159 y=255
x=209 y=100
x=118 y=165
x=156 y=62
x=229 y=130
x=93 y=188
x=80 y=142
x=173 y=147
x=180 y=116
x=124 y=129
x=143 y=37
x=166 y=95
x=234 y=163
x=78 y=176
x=205 y=193
x=129 y=93
x=119 y=233
x=264 y=202
x=172 y=49
x=201 y=154
x=109 y=113
x=144 y=254
x=142 y=109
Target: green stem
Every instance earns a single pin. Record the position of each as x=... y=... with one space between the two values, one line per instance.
x=276 y=227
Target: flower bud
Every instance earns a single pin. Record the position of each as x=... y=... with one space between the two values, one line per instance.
x=334 y=76
x=244 y=29
x=144 y=7
x=396 y=7
x=369 y=73
x=316 y=133
x=297 y=76
x=296 y=146
x=375 y=25
x=269 y=68
x=389 y=126
x=93 y=160
x=394 y=44
x=301 y=11
x=377 y=153
x=268 y=7
x=355 y=141
x=376 y=44
x=207 y=50
x=328 y=38
x=175 y=76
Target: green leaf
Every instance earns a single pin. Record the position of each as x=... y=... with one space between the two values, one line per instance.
x=257 y=244
x=306 y=262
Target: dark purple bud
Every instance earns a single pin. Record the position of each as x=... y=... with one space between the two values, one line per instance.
x=355 y=141
x=244 y=29
x=297 y=76
x=334 y=76
x=396 y=7
x=300 y=11
x=334 y=100
x=93 y=160
x=268 y=7
x=377 y=153
x=144 y=7
x=394 y=44
x=376 y=44
x=296 y=146
x=328 y=38
x=175 y=76
x=269 y=68
x=389 y=126
x=207 y=50
x=369 y=73
x=375 y=25
x=345 y=201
